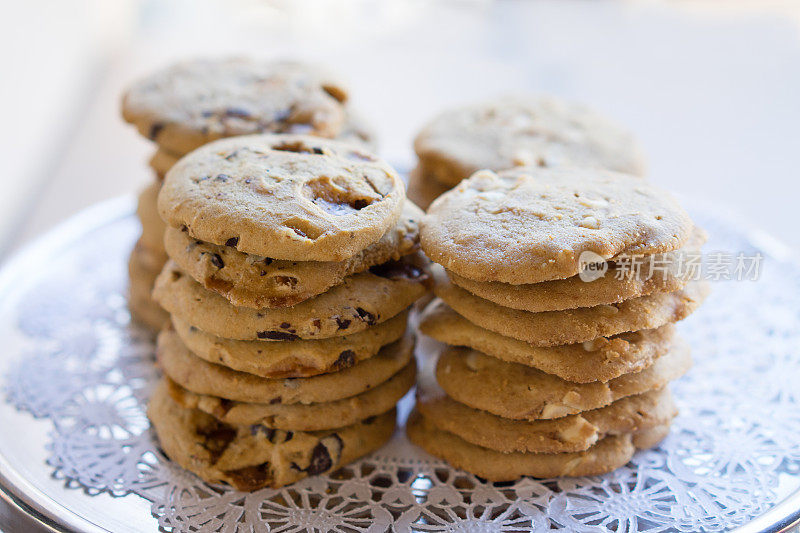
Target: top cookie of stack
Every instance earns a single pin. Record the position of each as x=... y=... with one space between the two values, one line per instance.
x=294 y=261
x=523 y=131
x=565 y=373
x=194 y=102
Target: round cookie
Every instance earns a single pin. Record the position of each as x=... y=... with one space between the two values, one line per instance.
x=283 y=196
x=570 y=326
x=543 y=131
x=531 y=224
x=520 y=392
x=600 y=359
x=608 y=454
x=161 y=161
x=291 y=359
x=144 y=266
x=194 y=102
x=252 y=457
x=255 y=281
x=201 y=377
x=572 y=433
x=631 y=278
x=361 y=301
x=301 y=417
x=152 y=226
x=423 y=190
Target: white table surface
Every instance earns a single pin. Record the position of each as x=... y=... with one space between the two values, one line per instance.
x=711 y=87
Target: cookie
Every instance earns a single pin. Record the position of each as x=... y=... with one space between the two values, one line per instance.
x=302 y=417
x=255 y=281
x=201 y=377
x=570 y=326
x=252 y=457
x=191 y=103
x=161 y=161
x=423 y=190
x=291 y=359
x=624 y=280
x=283 y=196
x=520 y=131
x=144 y=266
x=521 y=392
x=600 y=359
x=531 y=224
x=608 y=454
x=572 y=433
x=152 y=226
x=359 y=302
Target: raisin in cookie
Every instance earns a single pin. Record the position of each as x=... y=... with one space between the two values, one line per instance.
x=291 y=359
x=570 y=326
x=608 y=454
x=250 y=457
x=201 y=377
x=194 y=102
x=363 y=300
x=255 y=281
x=283 y=196
x=600 y=359
x=532 y=224
x=520 y=392
x=303 y=417
x=544 y=131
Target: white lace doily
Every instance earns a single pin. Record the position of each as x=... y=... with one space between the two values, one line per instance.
x=74 y=364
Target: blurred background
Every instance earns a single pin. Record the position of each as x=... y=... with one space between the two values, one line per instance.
x=711 y=87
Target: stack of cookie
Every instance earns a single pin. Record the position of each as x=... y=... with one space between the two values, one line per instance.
x=520 y=131
x=293 y=263
x=191 y=103
x=551 y=371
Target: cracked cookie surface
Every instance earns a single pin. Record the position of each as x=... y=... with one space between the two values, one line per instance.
x=283 y=196
x=531 y=224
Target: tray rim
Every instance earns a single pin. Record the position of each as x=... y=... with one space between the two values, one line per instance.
x=33 y=504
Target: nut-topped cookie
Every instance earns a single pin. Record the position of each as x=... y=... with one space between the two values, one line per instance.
x=283 y=197
x=523 y=131
x=194 y=102
x=532 y=224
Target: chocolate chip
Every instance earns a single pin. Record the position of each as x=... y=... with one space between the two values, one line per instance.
x=276 y=335
x=268 y=261
x=342 y=323
x=155 y=129
x=321 y=456
x=366 y=316
x=285 y=325
x=233 y=241
x=250 y=478
x=216 y=438
x=346 y=359
x=317 y=323
x=237 y=112
x=216 y=260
